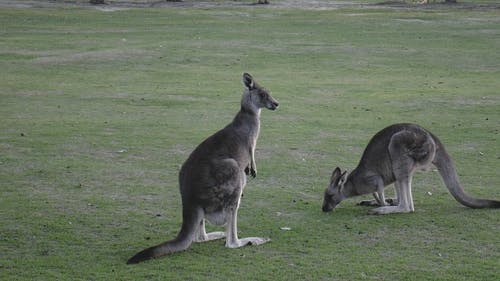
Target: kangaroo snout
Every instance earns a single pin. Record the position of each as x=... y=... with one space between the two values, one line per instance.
x=327 y=208
x=273 y=105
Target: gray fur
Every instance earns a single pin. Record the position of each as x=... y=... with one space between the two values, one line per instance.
x=213 y=177
x=392 y=156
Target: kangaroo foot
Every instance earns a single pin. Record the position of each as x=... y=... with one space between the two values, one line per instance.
x=247 y=242
x=388 y=210
x=215 y=235
x=210 y=236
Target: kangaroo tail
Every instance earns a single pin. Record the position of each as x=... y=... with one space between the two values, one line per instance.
x=446 y=168
x=162 y=249
x=191 y=220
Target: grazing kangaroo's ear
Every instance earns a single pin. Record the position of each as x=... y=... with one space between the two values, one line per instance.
x=248 y=81
x=335 y=174
x=342 y=178
x=341 y=181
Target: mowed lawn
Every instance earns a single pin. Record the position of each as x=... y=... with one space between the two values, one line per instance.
x=98 y=110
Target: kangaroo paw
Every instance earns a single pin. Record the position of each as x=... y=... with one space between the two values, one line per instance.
x=253 y=173
x=369 y=203
x=392 y=201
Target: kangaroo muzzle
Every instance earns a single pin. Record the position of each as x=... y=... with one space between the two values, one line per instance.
x=273 y=105
x=327 y=207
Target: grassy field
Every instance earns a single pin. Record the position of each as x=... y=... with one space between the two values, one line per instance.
x=99 y=109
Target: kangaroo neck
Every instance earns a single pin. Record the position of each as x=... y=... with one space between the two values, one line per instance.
x=350 y=187
x=248 y=121
x=250 y=112
x=248 y=106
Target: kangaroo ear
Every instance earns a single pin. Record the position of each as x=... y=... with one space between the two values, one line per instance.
x=341 y=181
x=335 y=174
x=248 y=81
x=342 y=178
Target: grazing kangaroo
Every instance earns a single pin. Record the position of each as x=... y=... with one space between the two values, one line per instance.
x=392 y=156
x=213 y=177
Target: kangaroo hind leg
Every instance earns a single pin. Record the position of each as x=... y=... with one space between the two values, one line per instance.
x=405 y=201
x=230 y=181
x=232 y=240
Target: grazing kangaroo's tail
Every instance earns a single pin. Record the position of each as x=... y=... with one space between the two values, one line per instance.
x=178 y=244
x=447 y=170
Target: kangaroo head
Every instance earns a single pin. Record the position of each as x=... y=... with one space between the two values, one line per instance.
x=333 y=194
x=256 y=96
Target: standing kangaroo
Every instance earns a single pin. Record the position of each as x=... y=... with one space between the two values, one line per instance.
x=392 y=156
x=213 y=177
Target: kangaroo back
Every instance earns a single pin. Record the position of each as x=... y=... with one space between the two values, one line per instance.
x=446 y=168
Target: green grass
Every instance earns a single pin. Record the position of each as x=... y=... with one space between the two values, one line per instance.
x=99 y=109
